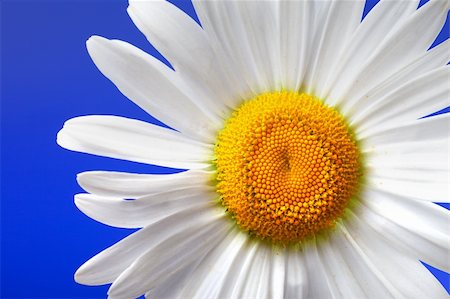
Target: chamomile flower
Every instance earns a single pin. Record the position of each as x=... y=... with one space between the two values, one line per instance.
x=310 y=170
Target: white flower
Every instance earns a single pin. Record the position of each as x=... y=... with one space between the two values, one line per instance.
x=377 y=73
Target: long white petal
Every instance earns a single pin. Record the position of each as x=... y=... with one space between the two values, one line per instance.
x=416 y=169
x=257 y=280
x=211 y=14
x=364 y=271
x=401 y=45
x=338 y=270
x=143 y=211
x=239 y=29
x=207 y=281
x=167 y=258
x=153 y=86
x=184 y=43
x=417 y=227
x=414 y=99
x=296 y=33
x=430 y=60
x=369 y=275
x=320 y=284
x=277 y=273
x=384 y=17
x=262 y=29
x=296 y=284
x=106 y=266
x=426 y=130
x=335 y=30
x=414 y=282
x=133 y=140
x=133 y=185
x=236 y=278
x=426 y=191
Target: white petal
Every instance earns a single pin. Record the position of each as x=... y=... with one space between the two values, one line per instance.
x=153 y=86
x=167 y=258
x=334 y=32
x=370 y=275
x=234 y=26
x=364 y=272
x=403 y=271
x=420 y=190
x=207 y=281
x=296 y=279
x=143 y=211
x=170 y=288
x=133 y=185
x=132 y=140
x=211 y=15
x=419 y=97
x=430 y=60
x=296 y=33
x=106 y=266
x=417 y=169
x=384 y=17
x=338 y=270
x=427 y=129
x=235 y=280
x=417 y=227
x=277 y=273
x=320 y=285
x=184 y=43
x=396 y=49
x=257 y=280
x=261 y=27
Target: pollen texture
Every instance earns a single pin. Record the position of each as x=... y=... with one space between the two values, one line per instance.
x=287 y=166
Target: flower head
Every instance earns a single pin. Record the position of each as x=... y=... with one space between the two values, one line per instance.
x=310 y=170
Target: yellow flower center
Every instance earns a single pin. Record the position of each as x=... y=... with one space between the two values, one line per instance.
x=287 y=166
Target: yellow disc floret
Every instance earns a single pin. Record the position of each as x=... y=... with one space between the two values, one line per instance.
x=287 y=166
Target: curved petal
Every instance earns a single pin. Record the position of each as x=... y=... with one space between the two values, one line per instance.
x=296 y=34
x=106 y=266
x=133 y=185
x=261 y=27
x=277 y=273
x=334 y=31
x=426 y=191
x=429 y=61
x=384 y=17
x=426 y=129
x=414 y=282
x=153 y=86
x=167 y=258
x=184 y=43
x=296 y=284
x=394 y=50
x=235 y=279
x=241 y=30
x=417 y=227
x=358 y=259
x=143 y=211
x=320 y=284
x=133 y=140
x=416 y=169
x=419 y=97
x=364 y=271
x=209 y=278
x=257 y=280
x=339 y=271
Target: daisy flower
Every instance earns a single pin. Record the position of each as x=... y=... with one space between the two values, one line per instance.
x=310 y=171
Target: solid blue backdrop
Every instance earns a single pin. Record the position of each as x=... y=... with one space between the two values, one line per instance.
x=47 y=77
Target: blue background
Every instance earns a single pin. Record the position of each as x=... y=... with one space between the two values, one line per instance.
x=47 y=77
